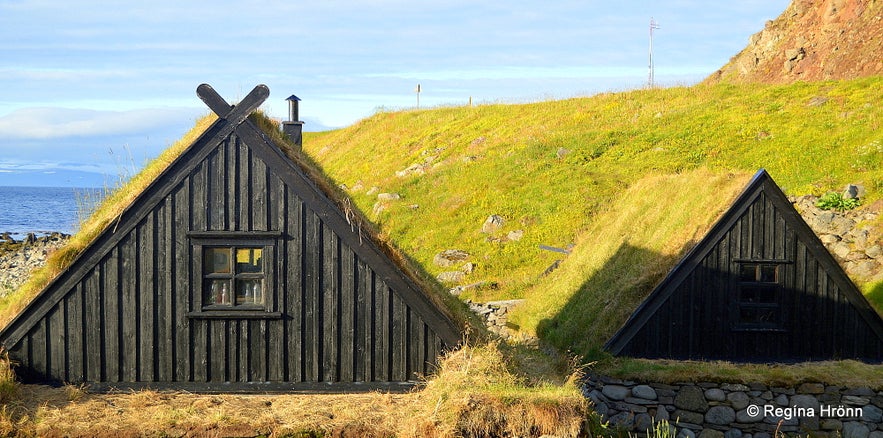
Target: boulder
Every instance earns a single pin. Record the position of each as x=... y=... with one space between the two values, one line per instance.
x=515 y=235
x=644 y=392
x=715 y=394
x=643 y=422
x=388 y=196
x=492 y=224
x=872 y=414
x=854 y=429
x=691 y=398
x=720 y=415
x=615 y=392
x=450 y=257
x=739 y=400
x=805 y=401
x=451 y=277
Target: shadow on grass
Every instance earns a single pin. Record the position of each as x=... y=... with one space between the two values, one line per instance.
x=875 y=296
x=706 y=310
x=604 y=301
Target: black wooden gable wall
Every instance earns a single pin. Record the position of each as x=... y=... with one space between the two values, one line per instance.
x=337 y=313
x=759 y=287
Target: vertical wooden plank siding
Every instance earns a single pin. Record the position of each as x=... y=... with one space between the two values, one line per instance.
x=146 y=299
x=181 y=202
x=330 y=290
x=112 y=342
x=312 y=256
x=130 y=318
x=93 y=329
x=75 y=333
x=39 y=353
x=295 y=280
x=165 y=292
x=55 y=337
x=347 y=312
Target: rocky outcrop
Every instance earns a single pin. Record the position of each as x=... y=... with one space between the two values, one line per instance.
x=812 y=40
x=849 y=235
x=495 y=314
x=19 y=257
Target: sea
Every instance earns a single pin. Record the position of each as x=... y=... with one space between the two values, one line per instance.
x=43 y=210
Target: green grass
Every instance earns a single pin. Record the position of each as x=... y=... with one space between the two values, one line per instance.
x=631 y=179
x=504 y=159
x=620 y=258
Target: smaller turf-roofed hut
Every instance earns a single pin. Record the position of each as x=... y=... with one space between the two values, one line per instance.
x=759 y=287
x=234 y=270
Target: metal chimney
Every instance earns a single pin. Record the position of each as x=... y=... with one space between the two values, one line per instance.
x=293 y=128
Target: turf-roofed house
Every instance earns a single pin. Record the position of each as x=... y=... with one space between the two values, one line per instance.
x=238 y=268
x=759 y=287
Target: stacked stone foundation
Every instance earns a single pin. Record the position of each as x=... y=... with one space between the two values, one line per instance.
x=727 y=410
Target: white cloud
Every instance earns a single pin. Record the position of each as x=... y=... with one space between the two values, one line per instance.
x=48 y=123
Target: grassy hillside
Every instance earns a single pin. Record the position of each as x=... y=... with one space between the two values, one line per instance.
x=621 y=257
x=551 y=168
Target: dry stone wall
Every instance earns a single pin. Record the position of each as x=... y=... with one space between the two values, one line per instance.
x=726 y=410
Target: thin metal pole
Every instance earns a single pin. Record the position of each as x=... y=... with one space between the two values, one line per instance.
x=418 y=96
x=650 y=75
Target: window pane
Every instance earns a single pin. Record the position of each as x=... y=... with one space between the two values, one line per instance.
x=758 y=294
x=768 y=273
x=748 y=273
x=767 y=295
x=249 y=292
x=217 y=292
x=748 y=294
x=757 y=315
x=217 y=261
x=249 y=260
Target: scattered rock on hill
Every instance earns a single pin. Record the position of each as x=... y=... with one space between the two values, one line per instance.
x=388 y=196
x=450 y=257
x=451 y=277
x=493 y=224
x=515 y=235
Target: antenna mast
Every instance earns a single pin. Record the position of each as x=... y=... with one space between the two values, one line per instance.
x=650 y=78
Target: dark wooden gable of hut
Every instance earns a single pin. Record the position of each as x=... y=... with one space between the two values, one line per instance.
x=232 y=271
x=759 y=287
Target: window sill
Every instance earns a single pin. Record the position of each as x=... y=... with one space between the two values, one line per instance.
x=235 y=314
x=759 y=329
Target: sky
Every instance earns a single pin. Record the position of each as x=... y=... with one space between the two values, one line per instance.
x=91 y=90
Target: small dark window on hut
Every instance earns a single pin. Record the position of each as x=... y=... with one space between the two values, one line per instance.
x=236 y=274
x=759 y=290
x=233 y=277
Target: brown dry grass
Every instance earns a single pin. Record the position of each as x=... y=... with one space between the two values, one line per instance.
x=47 y=411
x=486 y=390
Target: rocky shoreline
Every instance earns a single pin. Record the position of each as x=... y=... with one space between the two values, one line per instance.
x=18 y=258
